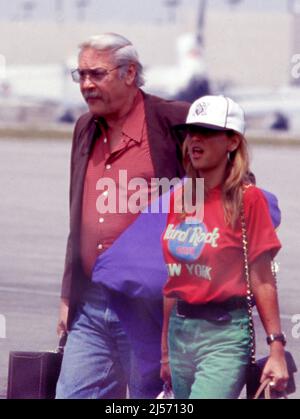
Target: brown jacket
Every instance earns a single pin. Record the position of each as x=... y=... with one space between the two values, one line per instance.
x=165 y=149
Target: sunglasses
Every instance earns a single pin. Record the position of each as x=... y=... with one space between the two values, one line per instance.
x=95 y=74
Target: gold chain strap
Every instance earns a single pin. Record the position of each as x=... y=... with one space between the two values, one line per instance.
x=250 y=296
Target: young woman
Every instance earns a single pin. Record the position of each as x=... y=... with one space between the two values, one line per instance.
x=206 y=338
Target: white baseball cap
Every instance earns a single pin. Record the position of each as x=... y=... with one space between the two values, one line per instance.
x=216 y=112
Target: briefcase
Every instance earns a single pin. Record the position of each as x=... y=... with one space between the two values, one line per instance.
x=34 y=375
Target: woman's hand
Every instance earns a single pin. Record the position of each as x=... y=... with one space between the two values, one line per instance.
x=165 y=371
x=276 y=370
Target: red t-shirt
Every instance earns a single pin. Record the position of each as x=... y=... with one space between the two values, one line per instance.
x=205 y=260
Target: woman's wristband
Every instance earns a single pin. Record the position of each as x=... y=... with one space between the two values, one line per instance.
x=164 y=362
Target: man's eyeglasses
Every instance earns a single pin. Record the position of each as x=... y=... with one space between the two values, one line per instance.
x=95 y=74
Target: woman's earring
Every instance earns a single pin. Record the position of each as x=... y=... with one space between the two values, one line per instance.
x=229 y=156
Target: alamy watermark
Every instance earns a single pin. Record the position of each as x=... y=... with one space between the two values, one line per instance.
x=2 y=327
x=2 y=67
x=295 y=61
x=135 y=195
x=296 y=328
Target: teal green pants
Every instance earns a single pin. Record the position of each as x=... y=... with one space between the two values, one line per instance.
x=209 y=360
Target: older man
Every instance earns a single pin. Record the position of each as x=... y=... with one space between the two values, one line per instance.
x=125 y=132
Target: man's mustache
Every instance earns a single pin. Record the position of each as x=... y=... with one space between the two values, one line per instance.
x=91 y=95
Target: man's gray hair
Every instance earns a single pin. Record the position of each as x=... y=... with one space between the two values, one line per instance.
x=122 y=50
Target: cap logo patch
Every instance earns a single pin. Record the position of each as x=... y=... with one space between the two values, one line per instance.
x=201 y=109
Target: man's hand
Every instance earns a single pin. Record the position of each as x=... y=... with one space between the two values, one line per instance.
x=63 y=317
x=165 y=373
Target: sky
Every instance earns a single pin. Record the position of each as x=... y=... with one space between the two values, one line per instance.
x=124 y=10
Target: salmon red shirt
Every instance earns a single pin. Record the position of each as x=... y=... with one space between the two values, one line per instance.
x=131 y=159
x=205 y=260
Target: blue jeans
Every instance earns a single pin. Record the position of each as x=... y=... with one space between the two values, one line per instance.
x=209 y=360
x=98 y=361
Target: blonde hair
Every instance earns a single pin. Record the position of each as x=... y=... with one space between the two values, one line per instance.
x=236 y=176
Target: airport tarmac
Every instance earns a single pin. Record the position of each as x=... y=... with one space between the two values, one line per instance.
x=34 y=226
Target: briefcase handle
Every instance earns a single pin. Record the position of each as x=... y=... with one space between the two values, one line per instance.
x=62 y=343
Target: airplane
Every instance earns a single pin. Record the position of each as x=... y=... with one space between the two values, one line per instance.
x=41 y=89
x=187 y=79
x=51 y=86
x=273 y=109
x=50 y=89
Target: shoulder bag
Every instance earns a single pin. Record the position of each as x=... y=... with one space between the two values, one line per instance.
x=254 y=388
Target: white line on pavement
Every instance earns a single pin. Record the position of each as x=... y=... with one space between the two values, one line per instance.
x=56 y=294
x=29 y=291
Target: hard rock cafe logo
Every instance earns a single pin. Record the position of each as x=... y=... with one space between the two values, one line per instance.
x=201 y=109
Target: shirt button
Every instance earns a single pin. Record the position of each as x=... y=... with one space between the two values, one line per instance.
x=108 y=166
x=100 y=247
x=101 y=221
x=105 y=140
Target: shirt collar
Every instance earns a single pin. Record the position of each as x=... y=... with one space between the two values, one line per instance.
x=134 y=125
